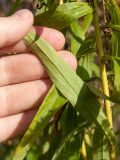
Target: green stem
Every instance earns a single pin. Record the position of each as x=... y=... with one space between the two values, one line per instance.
x=104 y=9
x=103 y=72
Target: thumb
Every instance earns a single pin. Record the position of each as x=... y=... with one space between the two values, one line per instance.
x=15 y=27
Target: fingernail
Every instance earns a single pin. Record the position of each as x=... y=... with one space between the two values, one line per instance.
x=23 y=14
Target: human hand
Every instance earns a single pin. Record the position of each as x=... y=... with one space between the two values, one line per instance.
x=23 y=80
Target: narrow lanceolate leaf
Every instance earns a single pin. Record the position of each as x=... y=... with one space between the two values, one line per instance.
x=71 y=151
x=87 y=22
x=117 y=77
x=100 y=146
x=116 y=72
x=63 y=15
x=50 y=105
x=69 y=146
x=114 y=11
x=65 y=79
x=85 y=66
x=85 y=63
x=70 y=85
x=60 y=72
x=88 y=46
x=78 y=33
x=77 y=37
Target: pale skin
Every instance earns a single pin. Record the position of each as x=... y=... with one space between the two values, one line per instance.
x=23 y=80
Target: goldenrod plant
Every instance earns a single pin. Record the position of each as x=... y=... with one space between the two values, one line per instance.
x=75 y=120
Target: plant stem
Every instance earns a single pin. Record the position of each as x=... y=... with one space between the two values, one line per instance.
x=106 y=91
x=61 y=2
x=83 y=150
x=102 y=65
x=104 y=14
x=103 y=72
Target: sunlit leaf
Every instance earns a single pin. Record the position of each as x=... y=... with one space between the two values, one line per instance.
x=85 y=63
x=50 y=105
x=63 y=15
x=87 y=22
x=61 y=74
x=70 y=85
x=78 y=33
x=85 y=66
x=77 y=37
x=116 y=70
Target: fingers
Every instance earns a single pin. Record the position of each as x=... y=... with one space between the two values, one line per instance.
x=20 y=97
x=15 y=27
x=54 y=37
x=20 y=68
x=27 y=67
x=14 y=125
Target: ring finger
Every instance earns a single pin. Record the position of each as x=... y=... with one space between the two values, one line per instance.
x=24 y=96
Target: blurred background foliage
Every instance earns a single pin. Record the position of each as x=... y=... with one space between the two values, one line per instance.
x=6 y=4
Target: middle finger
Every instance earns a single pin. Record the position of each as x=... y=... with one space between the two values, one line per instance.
x=26 y=67
x=54 y=37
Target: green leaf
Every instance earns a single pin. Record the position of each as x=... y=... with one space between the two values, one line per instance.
x=116 y=89
x=65 y=79
x=70 y=120
x=86 y=61
x=85 y=66
x=50 y=105
x=59 y=71
x=96 y=70
x=87 y=22
x=114 y=11
x=100 y=146
x=77 y=37
x=55 y=141
x=116 y=71
x=69 y=147
x=78 y=33
x=63 y=15
x=88 y=46
x=70 y=85
x=116 y=122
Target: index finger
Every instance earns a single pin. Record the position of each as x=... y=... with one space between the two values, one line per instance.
x=54 y=37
